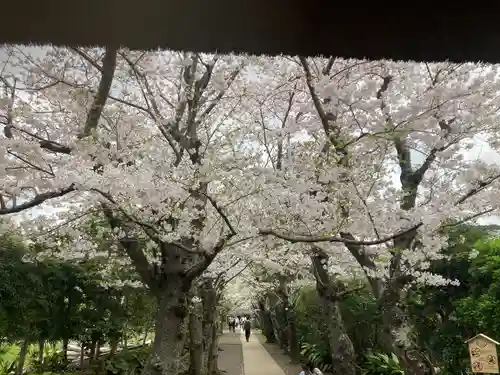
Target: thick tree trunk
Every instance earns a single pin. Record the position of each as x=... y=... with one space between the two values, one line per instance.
x=170 y=329
x=393 y=322
x=22 y=357
x=291 y=343
x=266 y=323
x=196 y=355
x=343 y=356
x=276 y=328
x=41 y=347
x=213 y=359
x=394 y=318
x=209 y=298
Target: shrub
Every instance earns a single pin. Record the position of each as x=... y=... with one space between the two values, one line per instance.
x=382 y=364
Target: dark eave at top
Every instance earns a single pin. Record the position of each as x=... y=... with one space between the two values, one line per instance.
x=408 y=31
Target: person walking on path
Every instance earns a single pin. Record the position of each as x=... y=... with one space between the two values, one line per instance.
x=247 y=326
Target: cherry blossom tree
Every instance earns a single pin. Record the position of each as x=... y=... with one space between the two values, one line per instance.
x=180 y=156
x=148 y=141
x=366 y=123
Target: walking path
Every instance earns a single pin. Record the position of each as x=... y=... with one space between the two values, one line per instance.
x=238 y=357
x=230 y=355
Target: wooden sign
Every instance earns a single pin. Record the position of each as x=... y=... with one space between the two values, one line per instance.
x=483 y=354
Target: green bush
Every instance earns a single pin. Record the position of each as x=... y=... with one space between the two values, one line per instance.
x=382 y=364
x=318 y=355
x=53 y=362
x=128 y=362
x=360 y=315
x=7 y=366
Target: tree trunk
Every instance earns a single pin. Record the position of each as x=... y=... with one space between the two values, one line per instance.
x=209 y=298
x=113 y=346
x=41 y=347
x=394 y=318
x=266 y=323
x=213 y=359
x=343 y=356
x=293 y=341
x=22 y=357
x=125 y=341
x=276 y=327
x=65 y=349
x=170 y=329
x=196 y=355
x=93 y=347
x=393 y=322
x=82 y=354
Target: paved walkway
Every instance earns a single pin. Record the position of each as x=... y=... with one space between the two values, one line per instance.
x=230 y=355
x=257 y=360
x=238 y=357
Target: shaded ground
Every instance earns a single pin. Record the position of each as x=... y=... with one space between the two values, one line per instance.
x=282 y=359
x=231 y=354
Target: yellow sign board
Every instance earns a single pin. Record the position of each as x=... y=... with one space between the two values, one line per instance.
x=483 y=354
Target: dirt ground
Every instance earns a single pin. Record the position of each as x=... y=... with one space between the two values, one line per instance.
x=282 y=359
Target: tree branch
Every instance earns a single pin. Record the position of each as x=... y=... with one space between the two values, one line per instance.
x=222 y=214
x=88 y=59
x=108 y=72
x=133 y=250
x=481 y=186
x=344 y=240
x=37 y=200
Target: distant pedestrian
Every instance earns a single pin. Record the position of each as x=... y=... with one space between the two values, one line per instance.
x=247 y=326
x=231 y=324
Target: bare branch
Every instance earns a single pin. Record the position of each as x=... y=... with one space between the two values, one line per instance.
x=328 y=66
x=219 y=96
x=44 y=143
x=88 y=59
x=108 y=72
x=471 y=217
x=37 y=200
x=27 y=162
x=347 y=241
x=314 y=96
x=222 y=214
x=225 y=282
x=481 y=185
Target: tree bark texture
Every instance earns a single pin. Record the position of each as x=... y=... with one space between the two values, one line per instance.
x=343 y=356
x=196 y=355
x=22 y=357
x=209 y=298
x=266 y=323
x=170 y=329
